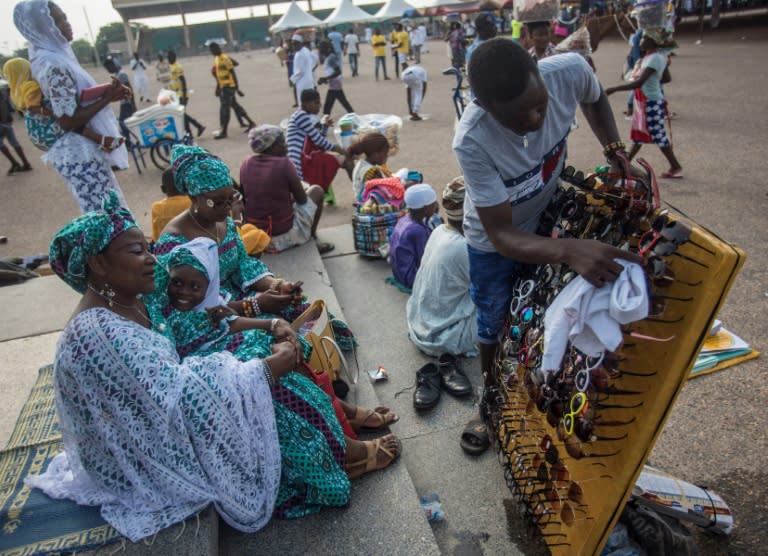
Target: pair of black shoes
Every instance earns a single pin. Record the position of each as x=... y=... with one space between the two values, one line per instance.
x=445 y=375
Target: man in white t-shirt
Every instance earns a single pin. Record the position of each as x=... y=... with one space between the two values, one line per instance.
x=304 y=63
x=511 y=145
x=351 y=49
x=415 y=79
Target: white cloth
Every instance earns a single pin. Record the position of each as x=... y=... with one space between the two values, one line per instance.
x=55 y=67
x=303 y=66
x=206 y=251
x=154 y=440
x=440 y=313
x=589 y=317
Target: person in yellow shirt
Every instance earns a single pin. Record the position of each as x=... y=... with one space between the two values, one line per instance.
x=400 y=46
x=179 y=85
x=379 y=45
x=226 y=89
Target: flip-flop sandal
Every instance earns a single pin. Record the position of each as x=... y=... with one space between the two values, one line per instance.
x=324 y=248
x=672 y=175
x=383 y=417
x=477 y=431
x=370 y=463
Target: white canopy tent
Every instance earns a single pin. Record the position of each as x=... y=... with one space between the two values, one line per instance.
x=393 y=9
x=295 y=18
x=347 y=12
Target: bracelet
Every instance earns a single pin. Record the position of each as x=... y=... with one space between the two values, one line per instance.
x=273 y=326
x=275 y=287
x=268 y=374
x=247 y=310
x=611 y=148
x=255 y=309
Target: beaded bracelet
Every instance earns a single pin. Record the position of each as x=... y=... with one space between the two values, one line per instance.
x=611 y=148
x=268 y=374
x=247 y=309
x=254 y=303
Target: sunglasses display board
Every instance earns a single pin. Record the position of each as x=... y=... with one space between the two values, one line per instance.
x=574 y=439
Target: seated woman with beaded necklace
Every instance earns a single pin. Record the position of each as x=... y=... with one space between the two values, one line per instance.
x=208 y=183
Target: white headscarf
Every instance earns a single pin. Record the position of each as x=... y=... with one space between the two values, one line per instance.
x=49 y=48
x=206 y=251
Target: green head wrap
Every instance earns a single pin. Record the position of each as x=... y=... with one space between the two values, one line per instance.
x=181 y=256
x=196 y=171
x=85 y=236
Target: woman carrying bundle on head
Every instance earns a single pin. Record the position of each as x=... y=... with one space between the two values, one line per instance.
x=371 y=152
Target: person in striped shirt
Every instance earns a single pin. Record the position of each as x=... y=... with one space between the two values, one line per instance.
x=307 y=144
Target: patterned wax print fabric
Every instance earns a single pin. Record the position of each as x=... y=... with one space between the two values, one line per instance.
x=312 y=442
x=196 y=171
x=42 y=130
x=153 y=440
x=85 y=236
x=238 y=271
x=655 y=114
x=86 y=169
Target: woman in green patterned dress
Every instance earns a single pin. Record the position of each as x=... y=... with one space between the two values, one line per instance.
x=200 y=324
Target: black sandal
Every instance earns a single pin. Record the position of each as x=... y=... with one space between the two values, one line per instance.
x=474 y=439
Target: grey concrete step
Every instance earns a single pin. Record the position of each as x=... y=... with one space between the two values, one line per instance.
x=384 y=516
x=472 y=490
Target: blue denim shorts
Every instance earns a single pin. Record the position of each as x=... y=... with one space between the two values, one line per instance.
x=491 y=277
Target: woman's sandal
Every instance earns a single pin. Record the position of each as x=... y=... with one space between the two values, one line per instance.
x=371 y=462
x=381 y=416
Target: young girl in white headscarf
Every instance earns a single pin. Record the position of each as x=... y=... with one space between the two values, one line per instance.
x=84 y=165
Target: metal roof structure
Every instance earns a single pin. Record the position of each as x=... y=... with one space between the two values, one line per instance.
x=141 y=9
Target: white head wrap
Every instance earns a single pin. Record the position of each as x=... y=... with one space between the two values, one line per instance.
x=206 y=251
x=419 y=196
x=297 y=38
x=48 y=48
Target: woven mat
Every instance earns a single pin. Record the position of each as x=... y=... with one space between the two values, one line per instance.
x=33 y=523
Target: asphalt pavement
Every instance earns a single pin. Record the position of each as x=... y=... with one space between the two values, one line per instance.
x=715 y=435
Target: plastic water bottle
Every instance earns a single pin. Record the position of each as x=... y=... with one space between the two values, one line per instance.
x=430 y=503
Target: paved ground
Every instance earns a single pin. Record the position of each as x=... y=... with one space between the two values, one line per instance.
x=715 y=435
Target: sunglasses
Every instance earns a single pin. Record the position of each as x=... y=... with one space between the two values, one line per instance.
x=578 y=406
x=661 y=274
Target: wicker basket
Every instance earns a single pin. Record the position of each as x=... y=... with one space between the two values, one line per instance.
x=372 y=232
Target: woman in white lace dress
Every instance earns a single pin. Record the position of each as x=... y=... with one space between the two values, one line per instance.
x=152 y=439
x=84 y=165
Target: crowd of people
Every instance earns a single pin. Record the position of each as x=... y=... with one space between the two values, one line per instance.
x=220 y=406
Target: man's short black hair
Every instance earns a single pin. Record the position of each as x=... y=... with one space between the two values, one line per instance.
x=533 y=25
x=499 y=71
x=171 y=56
x=309 y=95
x=214 y=48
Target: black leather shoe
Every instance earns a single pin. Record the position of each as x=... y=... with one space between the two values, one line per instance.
x=427 y=392
x=452 y=377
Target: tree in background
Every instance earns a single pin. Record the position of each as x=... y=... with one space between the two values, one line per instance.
x=114 y=32
x=83 y=51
